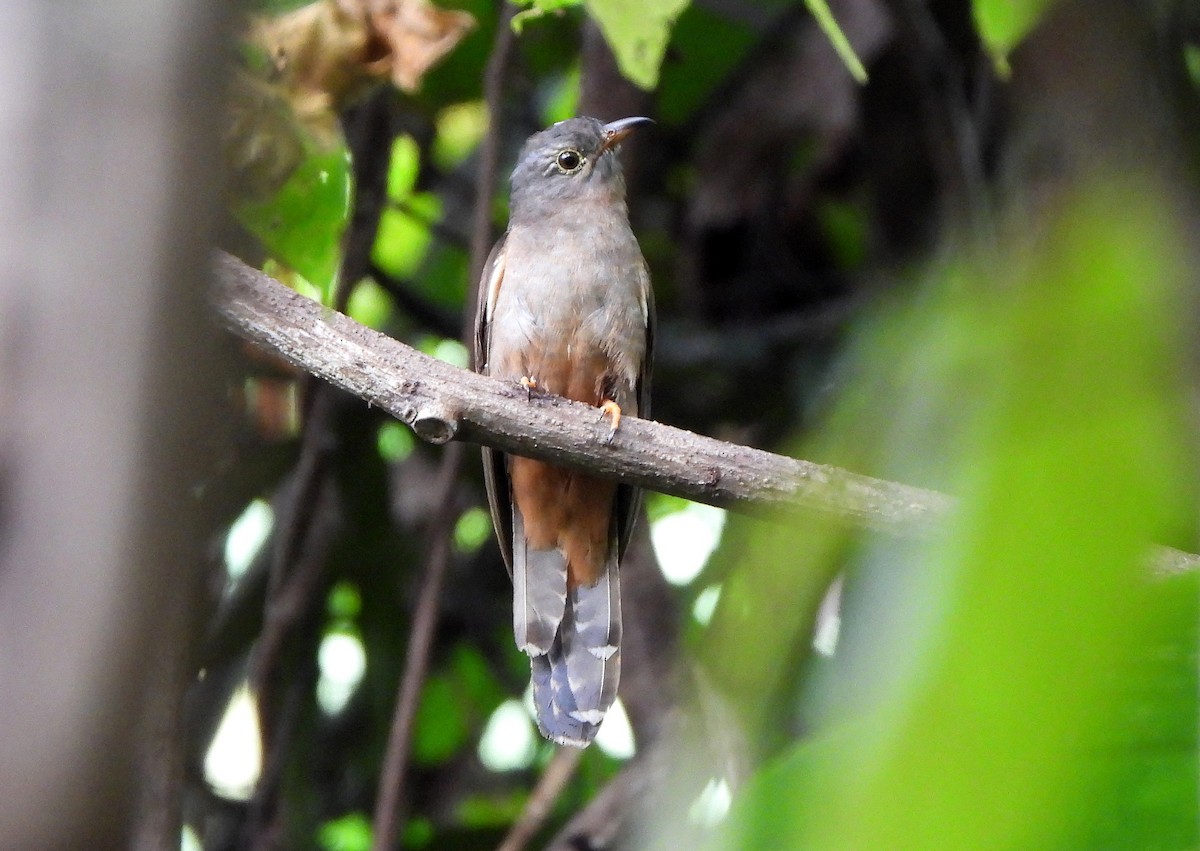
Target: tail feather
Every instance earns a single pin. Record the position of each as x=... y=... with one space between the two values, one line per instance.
x=591 y=646
x=554 y=702
x=575 y=683
x=539 y=592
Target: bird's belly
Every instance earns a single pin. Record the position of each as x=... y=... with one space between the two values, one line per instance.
x=579 y=347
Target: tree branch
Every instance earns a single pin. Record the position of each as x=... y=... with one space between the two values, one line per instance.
x=442 y=403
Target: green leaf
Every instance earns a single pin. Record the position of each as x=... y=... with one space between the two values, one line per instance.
x=301 y=224
x=837 y=38
x=563 y=99
x=538 y=8
x=459 y=130
x=395 y=441
x=454 y=705
x=351 y=832
x=403 y=167
x=705 y=48
x=1002 y=24
x=369 y=304
x=473 y=528
x=404 y=235
x=441 y=722
x=1023 y=680
x=638 y=32
x=497 y=810
x=344 y=602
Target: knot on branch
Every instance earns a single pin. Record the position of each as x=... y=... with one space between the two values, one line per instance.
x=435 y=422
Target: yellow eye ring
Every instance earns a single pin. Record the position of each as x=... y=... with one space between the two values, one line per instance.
x=569 y=160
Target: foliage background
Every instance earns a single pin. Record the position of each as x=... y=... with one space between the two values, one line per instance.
x=971 y=270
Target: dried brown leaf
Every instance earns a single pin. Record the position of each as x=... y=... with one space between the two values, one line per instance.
x=417 y=34
x=328 y=53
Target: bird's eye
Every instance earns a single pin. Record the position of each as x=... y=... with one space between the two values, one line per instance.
x=569 y=160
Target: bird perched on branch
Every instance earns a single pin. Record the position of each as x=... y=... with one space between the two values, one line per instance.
x=566 y=307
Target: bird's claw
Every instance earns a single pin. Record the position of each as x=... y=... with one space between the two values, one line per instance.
x=609 y=408
x=530 y=384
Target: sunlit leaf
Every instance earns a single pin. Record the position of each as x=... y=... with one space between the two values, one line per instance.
x=563 y=102
x=1002 y=25
x=537 y=8
x=473 y=528
x=369 y=304
x=302 y=223
x=638 y=32
x=1023 y=681
x=351 y=832
x=404 y=234
x=344 y=602
x=403 y=167
x=841 y=44
x=490 y=810
x=396 y=441
x=459 y=130
x=442 y=348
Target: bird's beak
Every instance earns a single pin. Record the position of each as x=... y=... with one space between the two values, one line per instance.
x=615 y=131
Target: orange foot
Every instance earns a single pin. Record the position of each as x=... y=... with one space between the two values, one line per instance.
x=530 y=384
x=609 y=408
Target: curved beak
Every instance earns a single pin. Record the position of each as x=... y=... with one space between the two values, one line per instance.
x=617 y=130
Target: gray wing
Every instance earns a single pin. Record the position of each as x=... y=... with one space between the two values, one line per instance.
x=495 y=476
x=629 y=499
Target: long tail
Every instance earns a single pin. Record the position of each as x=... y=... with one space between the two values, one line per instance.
x=539 y=592
x=575 y=672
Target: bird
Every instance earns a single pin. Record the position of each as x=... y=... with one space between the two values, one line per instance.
x=566 y=308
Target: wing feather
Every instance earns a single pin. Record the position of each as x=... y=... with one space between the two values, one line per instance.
x=495 y=473
x=629 y=499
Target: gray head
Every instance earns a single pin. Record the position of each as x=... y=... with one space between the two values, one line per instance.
x=572 y=162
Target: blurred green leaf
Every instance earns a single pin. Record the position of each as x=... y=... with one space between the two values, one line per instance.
x=418 y=832
x=638 y=32
x=1023 y=681
x=455 y=703
x=369 y=304
x=396 y=441
x=351 y=832
x=460 y=128
x=660 y=505
x=442 y=722
x=302 y=223
x=445 y=349
x=563 y=100
x=403 y=167
x=1191 y=61
x=479 y=811
x=538 y=8
x=837 y=38
x=344 y=602
x=404 y=236
x=473 y=528
x=845 y=227
x=1002 y=25
x=705 y=48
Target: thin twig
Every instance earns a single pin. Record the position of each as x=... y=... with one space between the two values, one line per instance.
x=549 y=787
x=489 y=154
x=388 y=820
